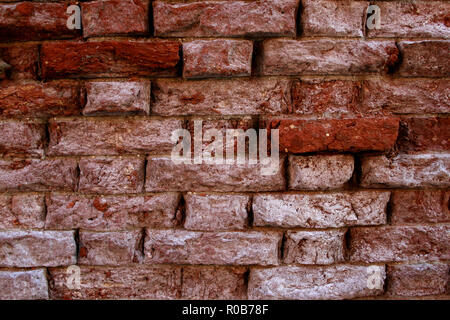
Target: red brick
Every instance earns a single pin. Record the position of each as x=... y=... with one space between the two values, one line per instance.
x=37 y=248
x=406 y=171
x=428 y=58
x=38 y=175
x=165 y=175
x=424 y=134
x=320 y=210
x=22 y=211
x=332 y=18
x=326 y=57
x=34 y=21
x=24 y=138
x=137 y=282
x=117 y=97
x=312 y=283
x=221 y=248
x=112 y=212
x=319 y=171
x=37 y=99
x=217 y=58
x=326 y=98
x=109 y=58
x=23 y=285
x=342 y=135
x=418 y=279
x=228 y=97
x=208 y=283
x=400 y=243
x=22 y=59
x=109 y=248
x=209 y=212
x=111 y=175
x=225 y=18
x=90 y=136
x=420 y=206
x=406 y=96
x=114 y=17
x=314 y=247
x=413 y=19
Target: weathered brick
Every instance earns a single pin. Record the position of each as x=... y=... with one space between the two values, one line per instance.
x=228 y=97
x=314 y=247
x=137 y=282
x=217 y=58
x=326 y=98
x=4 y=69
x=413 y=19
x=22 y=211
x=109 y=58
x=24 y=138
x=34 y=21
x=22 y=59
x=354 y=135
x=406 y=171
x=418 y=279
x=426 y=58
x=37 y=248
x=91 y=136
x=346 y=18
x=400 y=243
x=23 y=285
x=211 y=212
x=221 y=248
x=114 y=17
x=320 y=210
x=225 y=18
x=36 y=99
x=424 y=134
x=326 y=57
x=207 y=283
x=112 y=212
x=406 y=96
x=111 y=175
x=38 y=175
x=110 y=248
x=331 y=282
x=420 y=206
x=164 y=175
x=320 y=171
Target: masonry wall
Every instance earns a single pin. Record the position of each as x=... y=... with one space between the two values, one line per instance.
x=86 y=175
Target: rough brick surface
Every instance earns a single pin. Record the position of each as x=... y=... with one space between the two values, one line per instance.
x=225 y=18
x=314 y=247
x=216 y=211
x=84 y=136
x=400 y=243
x=217 y=58
x=117 y=97
x=22 y=59
x=111 y=212
x=114 y=17
x=417 y=279
x=109 y=58
x=22 y=211
x=406 y=171
x=327 y=210
x=138 y=282
x=424 y=134
x=319 y=172
x=21 y=138
x=228 y=97
x=23 y=285
x=333 y=282
x=37 y=248
x=325 y=57
x=222 y=248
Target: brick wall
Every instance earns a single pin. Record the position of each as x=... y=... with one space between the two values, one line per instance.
x=86 y=177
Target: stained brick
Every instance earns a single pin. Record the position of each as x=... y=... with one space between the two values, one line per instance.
x=23 y=285
x=18 y=139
